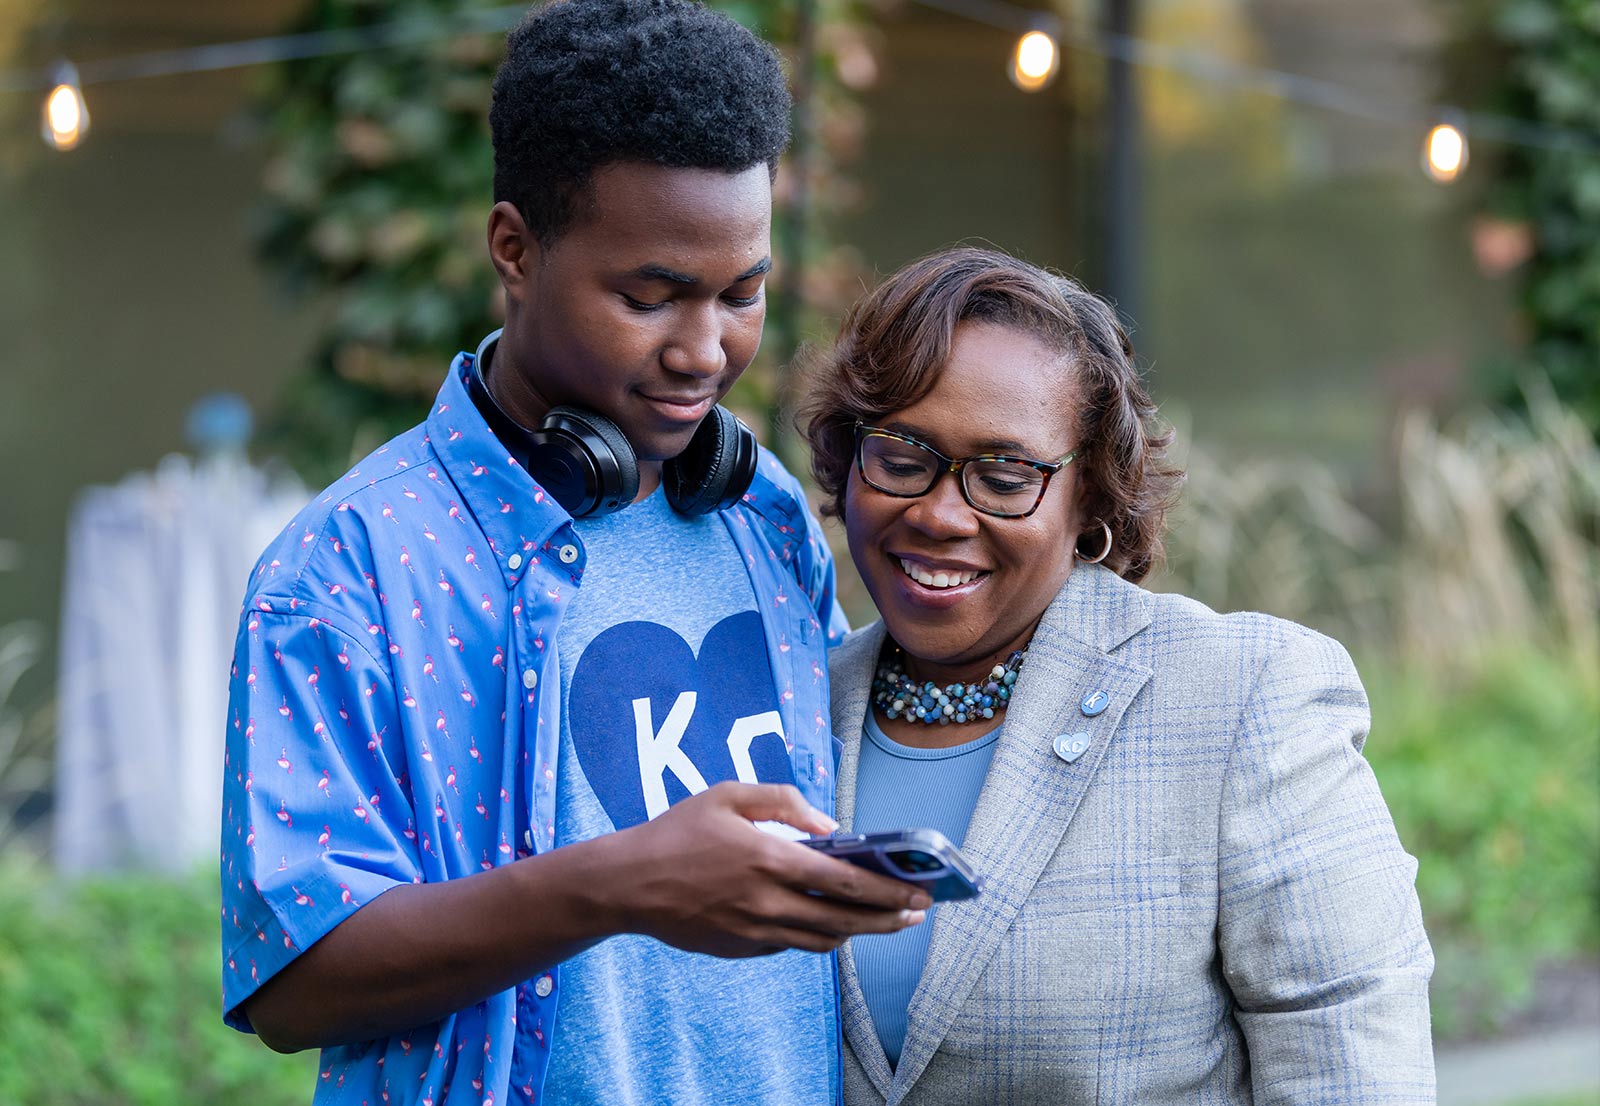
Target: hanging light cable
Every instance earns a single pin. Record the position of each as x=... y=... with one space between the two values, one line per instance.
x=65 y=118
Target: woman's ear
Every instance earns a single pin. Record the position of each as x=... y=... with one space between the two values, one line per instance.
x=1085 y=501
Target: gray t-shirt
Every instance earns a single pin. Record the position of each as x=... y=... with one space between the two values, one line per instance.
x=667 y=689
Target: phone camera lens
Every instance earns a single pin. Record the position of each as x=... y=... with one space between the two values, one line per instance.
x=915 y=861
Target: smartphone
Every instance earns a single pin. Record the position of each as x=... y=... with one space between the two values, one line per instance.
x=921 y=856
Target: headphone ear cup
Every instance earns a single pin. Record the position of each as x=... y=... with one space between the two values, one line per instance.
x=716 y=470
x=584 y=460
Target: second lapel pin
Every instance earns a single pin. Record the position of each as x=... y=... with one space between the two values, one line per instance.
x=1070 y=746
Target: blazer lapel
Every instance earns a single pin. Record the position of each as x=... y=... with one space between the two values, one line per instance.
x=850 y=668
x=1028 y=798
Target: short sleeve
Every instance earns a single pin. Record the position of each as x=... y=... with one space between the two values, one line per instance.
x=1319 y=927
x=316 y=817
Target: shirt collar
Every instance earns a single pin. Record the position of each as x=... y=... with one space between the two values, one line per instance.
x=514 y=512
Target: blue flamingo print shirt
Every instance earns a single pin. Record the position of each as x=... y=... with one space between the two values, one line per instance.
x=395 y=717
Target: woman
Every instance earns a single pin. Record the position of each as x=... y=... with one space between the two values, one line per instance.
x=1194 y=891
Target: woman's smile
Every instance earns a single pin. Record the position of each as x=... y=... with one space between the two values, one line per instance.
x=940 y=577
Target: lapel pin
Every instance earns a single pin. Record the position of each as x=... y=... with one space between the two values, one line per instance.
x=1070 y=746
x=1095 y=703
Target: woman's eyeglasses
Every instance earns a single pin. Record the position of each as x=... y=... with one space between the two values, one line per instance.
x=1006 y=487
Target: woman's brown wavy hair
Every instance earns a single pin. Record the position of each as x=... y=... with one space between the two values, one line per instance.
x=894 y=342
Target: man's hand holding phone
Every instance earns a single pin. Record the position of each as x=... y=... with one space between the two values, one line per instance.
x=703 y=878
x=923 y=857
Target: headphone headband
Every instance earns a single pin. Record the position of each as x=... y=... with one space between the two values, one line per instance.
x=517 y=439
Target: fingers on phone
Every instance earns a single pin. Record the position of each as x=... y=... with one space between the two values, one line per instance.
x=835 y=931
x=779 y=802
x=861 y=922
x=842 y=920
x=906 y=919
x=807 y=940
x=836 y=879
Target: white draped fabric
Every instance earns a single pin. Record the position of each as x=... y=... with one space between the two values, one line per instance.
x=156 y=569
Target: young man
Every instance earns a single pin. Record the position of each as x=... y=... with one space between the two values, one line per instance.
x=474 y=834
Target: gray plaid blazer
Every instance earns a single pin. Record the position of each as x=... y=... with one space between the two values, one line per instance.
x=1209 y=905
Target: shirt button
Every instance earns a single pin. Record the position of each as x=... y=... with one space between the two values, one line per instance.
x=514 y=561
x=529 y=678
x=569 y=553
x=543 y=986
x=527 y=839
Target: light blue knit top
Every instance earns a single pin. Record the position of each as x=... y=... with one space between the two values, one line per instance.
x=900 y=787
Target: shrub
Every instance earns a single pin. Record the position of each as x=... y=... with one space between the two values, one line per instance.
x=1551 y=75
x=1494 y=783
x=110 y=995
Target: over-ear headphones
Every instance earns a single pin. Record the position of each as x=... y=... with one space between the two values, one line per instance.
x=584 y=460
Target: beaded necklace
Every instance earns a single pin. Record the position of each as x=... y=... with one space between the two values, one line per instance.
x=898 y=695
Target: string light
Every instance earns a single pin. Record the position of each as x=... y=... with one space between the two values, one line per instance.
x=1444 y=153
x=1035 y=61
x=65 y=119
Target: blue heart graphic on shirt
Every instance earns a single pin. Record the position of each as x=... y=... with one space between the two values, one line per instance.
x=642 y=741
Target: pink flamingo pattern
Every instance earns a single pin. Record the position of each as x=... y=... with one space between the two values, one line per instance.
x=440 y=758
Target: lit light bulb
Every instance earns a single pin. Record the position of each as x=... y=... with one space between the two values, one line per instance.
x=1444 y=154
x=1035 y=61
x=66 y=116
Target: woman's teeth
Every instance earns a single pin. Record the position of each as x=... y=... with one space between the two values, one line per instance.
x=937 y=579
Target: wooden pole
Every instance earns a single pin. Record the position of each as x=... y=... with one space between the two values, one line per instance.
x=1123 y=174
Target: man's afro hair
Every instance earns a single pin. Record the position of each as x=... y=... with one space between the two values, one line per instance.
x=586 y=83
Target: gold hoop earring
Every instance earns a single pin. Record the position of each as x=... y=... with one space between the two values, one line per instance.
x=1104 y=553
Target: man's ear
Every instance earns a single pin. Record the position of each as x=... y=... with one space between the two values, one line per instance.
x=513 y=249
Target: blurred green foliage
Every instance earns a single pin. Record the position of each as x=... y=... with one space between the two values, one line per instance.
x=377 y=193
x=1494 y=784
x=1551 y=50
x=110 y=993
